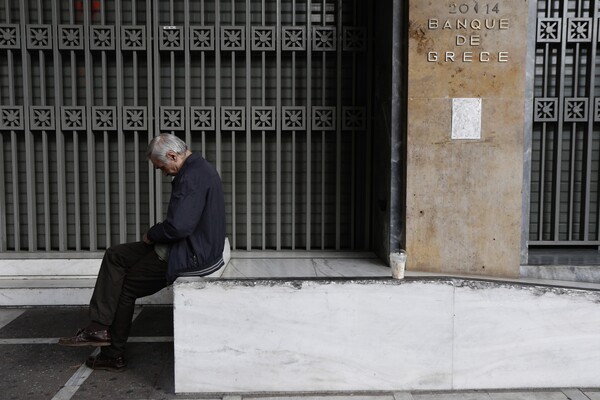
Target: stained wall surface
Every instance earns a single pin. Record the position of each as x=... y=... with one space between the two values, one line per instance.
x=466 y=90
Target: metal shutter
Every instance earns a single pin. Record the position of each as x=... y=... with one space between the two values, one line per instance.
x=273 y=92
x=566 y=131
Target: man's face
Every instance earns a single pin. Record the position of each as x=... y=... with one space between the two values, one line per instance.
x=170 y=168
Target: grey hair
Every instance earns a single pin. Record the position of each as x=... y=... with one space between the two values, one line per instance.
x=162 y=144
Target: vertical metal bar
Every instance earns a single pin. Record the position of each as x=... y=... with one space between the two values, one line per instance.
x=104 y=78
x=151 y=94
x=218 y=88
x=156 y=73
x=120 y=135
x=278 y=123
x=203 y=78
x=46 y=190
x=136 y=139
x=248 y=134
x=544 y=135
x=323 y=133
x=232 y=133
x=16 y=205
x=542 y=197
x=151 y=77
x=173 y=95
x=170 y=101
x=293 y=74
x=45 y=177
x=233 y=56
x=135 y=134
x=90 y=134
x=29 y=143
x=218 y=93
x=571 y=194
x=172 y=56
x=15 y=177
x=264 y=145
x=338 y=126
x=573 y=140
x=137 y=183
x=368 y=151
x=77 y=190
x=44 y=134
x=308 y=123
x=14 y=148
x=542 y=185
x=353 y=150
x=62 y=155
x=542 y=189
x=558 y=158
x=591 y=66
x=3 y=209
x=187 y=73
x=354 y=154
x=60 y=162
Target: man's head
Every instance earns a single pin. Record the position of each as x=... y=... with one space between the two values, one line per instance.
x=168 y=153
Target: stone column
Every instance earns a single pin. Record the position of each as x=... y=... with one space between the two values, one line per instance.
x=465 y=130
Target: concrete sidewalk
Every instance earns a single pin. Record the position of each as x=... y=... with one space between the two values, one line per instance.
x=35 y=367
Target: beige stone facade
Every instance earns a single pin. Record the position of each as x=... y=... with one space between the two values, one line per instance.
x=464 y=197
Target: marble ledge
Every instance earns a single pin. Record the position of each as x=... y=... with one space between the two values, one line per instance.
x=536 y=288
x=304 y=268
x=429 y=333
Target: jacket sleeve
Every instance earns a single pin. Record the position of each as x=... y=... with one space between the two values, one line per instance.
x=183 y=214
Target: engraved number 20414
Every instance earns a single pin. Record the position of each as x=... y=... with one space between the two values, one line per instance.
x=463 y=8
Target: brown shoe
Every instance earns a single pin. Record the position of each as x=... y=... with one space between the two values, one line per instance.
x=83 y=338
x=107 y=364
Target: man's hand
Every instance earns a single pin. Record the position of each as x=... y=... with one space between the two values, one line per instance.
x=146 y=240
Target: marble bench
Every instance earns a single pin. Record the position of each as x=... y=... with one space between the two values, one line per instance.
x=328 y=334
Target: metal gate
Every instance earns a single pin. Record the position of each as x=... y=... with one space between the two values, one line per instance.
x=566 y=125
x=274 y=92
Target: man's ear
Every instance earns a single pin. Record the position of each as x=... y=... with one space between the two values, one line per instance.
x=171 y=155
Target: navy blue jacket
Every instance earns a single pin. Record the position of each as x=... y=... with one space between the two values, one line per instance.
x=194 y=227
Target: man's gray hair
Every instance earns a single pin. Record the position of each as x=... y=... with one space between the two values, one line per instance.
x=163 y=143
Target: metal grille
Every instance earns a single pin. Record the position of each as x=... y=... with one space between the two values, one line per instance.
x=272 y=92
x=566 y=130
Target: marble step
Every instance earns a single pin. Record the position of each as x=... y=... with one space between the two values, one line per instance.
x=60 y=292
x=575 y=273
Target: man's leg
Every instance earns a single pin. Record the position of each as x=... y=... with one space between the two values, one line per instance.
x=144 y=278
x=147 y=276
x=116 y=263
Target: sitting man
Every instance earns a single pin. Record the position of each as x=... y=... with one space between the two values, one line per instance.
x=189 y=242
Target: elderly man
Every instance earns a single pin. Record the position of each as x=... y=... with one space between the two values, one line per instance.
x=189 y=242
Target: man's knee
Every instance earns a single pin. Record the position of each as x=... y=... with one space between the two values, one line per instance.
x=119 y=253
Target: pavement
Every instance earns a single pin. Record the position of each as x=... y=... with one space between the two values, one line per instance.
x=33 y=366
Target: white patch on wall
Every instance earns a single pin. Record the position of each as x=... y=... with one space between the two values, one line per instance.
x=466 y=118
